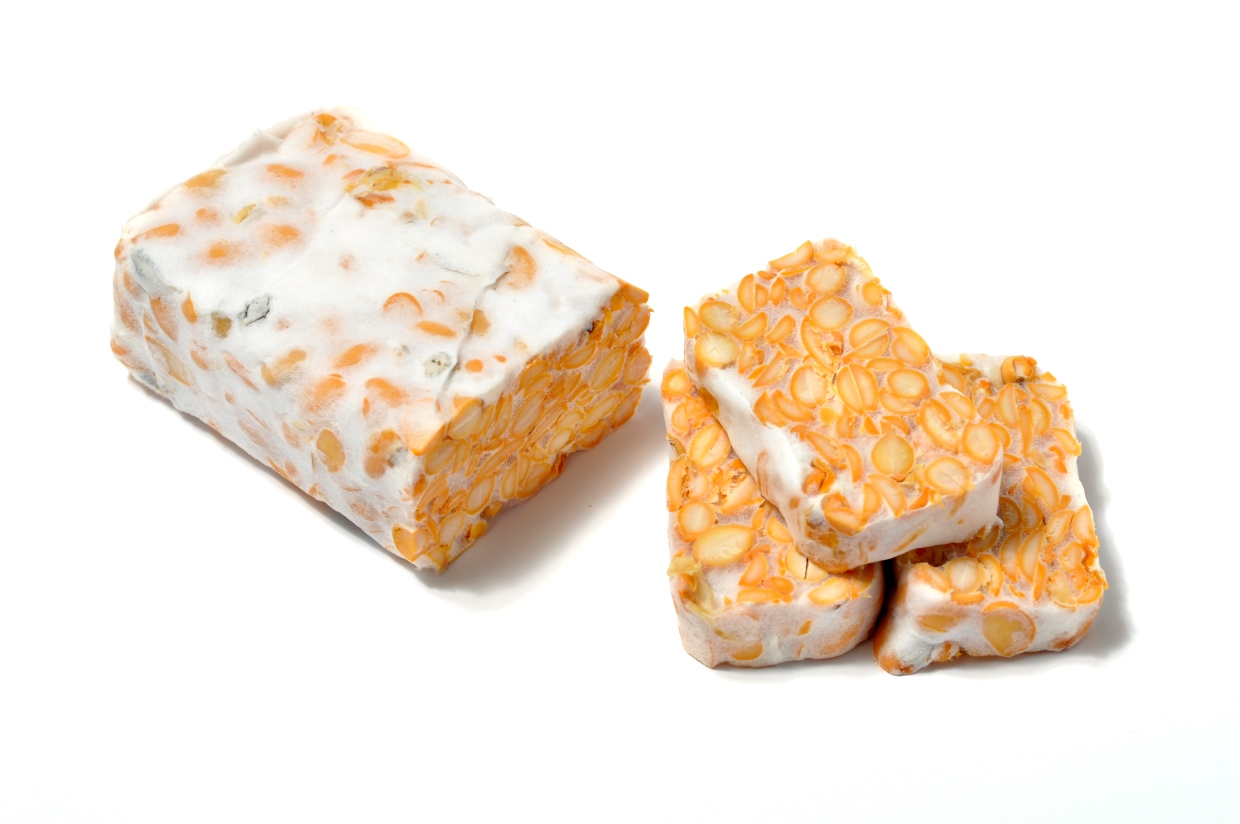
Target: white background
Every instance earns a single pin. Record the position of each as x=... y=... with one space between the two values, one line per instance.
x=185 y=637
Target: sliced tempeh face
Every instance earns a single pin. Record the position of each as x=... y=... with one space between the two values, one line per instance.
x=831 y=399
x=394 y=344
x=743 y=593
x=1031 y=583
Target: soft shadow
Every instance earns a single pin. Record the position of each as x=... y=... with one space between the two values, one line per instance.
x=522 y=539
x=1113 y=628
x=527 y=537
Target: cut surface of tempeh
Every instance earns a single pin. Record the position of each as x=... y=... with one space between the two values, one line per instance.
x=831 y=400
x=1033 y=582
x=743 y=593
x=394 y=344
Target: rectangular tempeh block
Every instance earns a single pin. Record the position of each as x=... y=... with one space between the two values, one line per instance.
x=394 y=344
x=743 y=593
x=1031 y=583
x=832 y=401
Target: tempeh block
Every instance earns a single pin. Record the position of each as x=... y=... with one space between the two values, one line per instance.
x=394 y=344
x=743 y=593
x=831 y=400
x=1031 y=583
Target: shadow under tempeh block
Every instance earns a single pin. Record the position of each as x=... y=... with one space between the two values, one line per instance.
x=1031 y=583
x=394 y=344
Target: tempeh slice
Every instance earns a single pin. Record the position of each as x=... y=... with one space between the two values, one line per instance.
x=831 y=400
x=1031 y=583
x=743 y=593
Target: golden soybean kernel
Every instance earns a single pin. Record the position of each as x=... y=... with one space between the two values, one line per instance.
x=772 y=373
x=980 y=442
x=801 y=256
x=938 y=621
x=480 y=495
x=825 y=279
x=891 y=492
x=1060 y=590
x=966 y=576
x=829 y=314
x=857 y=388
x=607 y=371
x=1018 y=369
x=836 y=590
x=937 y=422
x=908 y=384
x=868 y=338
x=676 y=384
x=993 y=571
x=748 y=654
x=1039 y=487
x=745 y=296
x=843 y=519
x=407 y=542
x=755 y=571
x=808 y=387
x=713 y=349
x=330 y=450
x=949 y=476
x=1006 y=406
x=782 y=329
x=279 y=370
x=1083 y=526
x=1066 y=440
x=1049 y=391
x=752 y=328
x=779 y=290
x=718 y=316
x=893 y=456
x=959 y=404
x=467 y=420
x=710 y=445
x=802 y=568
x=909 y=347
x=695 y=518
x=1009 y=630
x=792 y=410
x=723 y=545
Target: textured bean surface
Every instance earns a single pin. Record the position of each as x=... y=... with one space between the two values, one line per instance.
x=1031 y=583
x=832 y=400
x=391 y=342
x=744 y=594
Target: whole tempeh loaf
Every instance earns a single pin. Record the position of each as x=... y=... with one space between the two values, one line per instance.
x=394 y=344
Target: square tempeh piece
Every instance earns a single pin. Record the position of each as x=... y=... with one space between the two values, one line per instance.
x=743 y=593
x=1032 y=583
x=832 y=401
x=394 y=344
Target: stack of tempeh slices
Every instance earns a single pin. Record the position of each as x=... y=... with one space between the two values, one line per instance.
x=816 y=436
